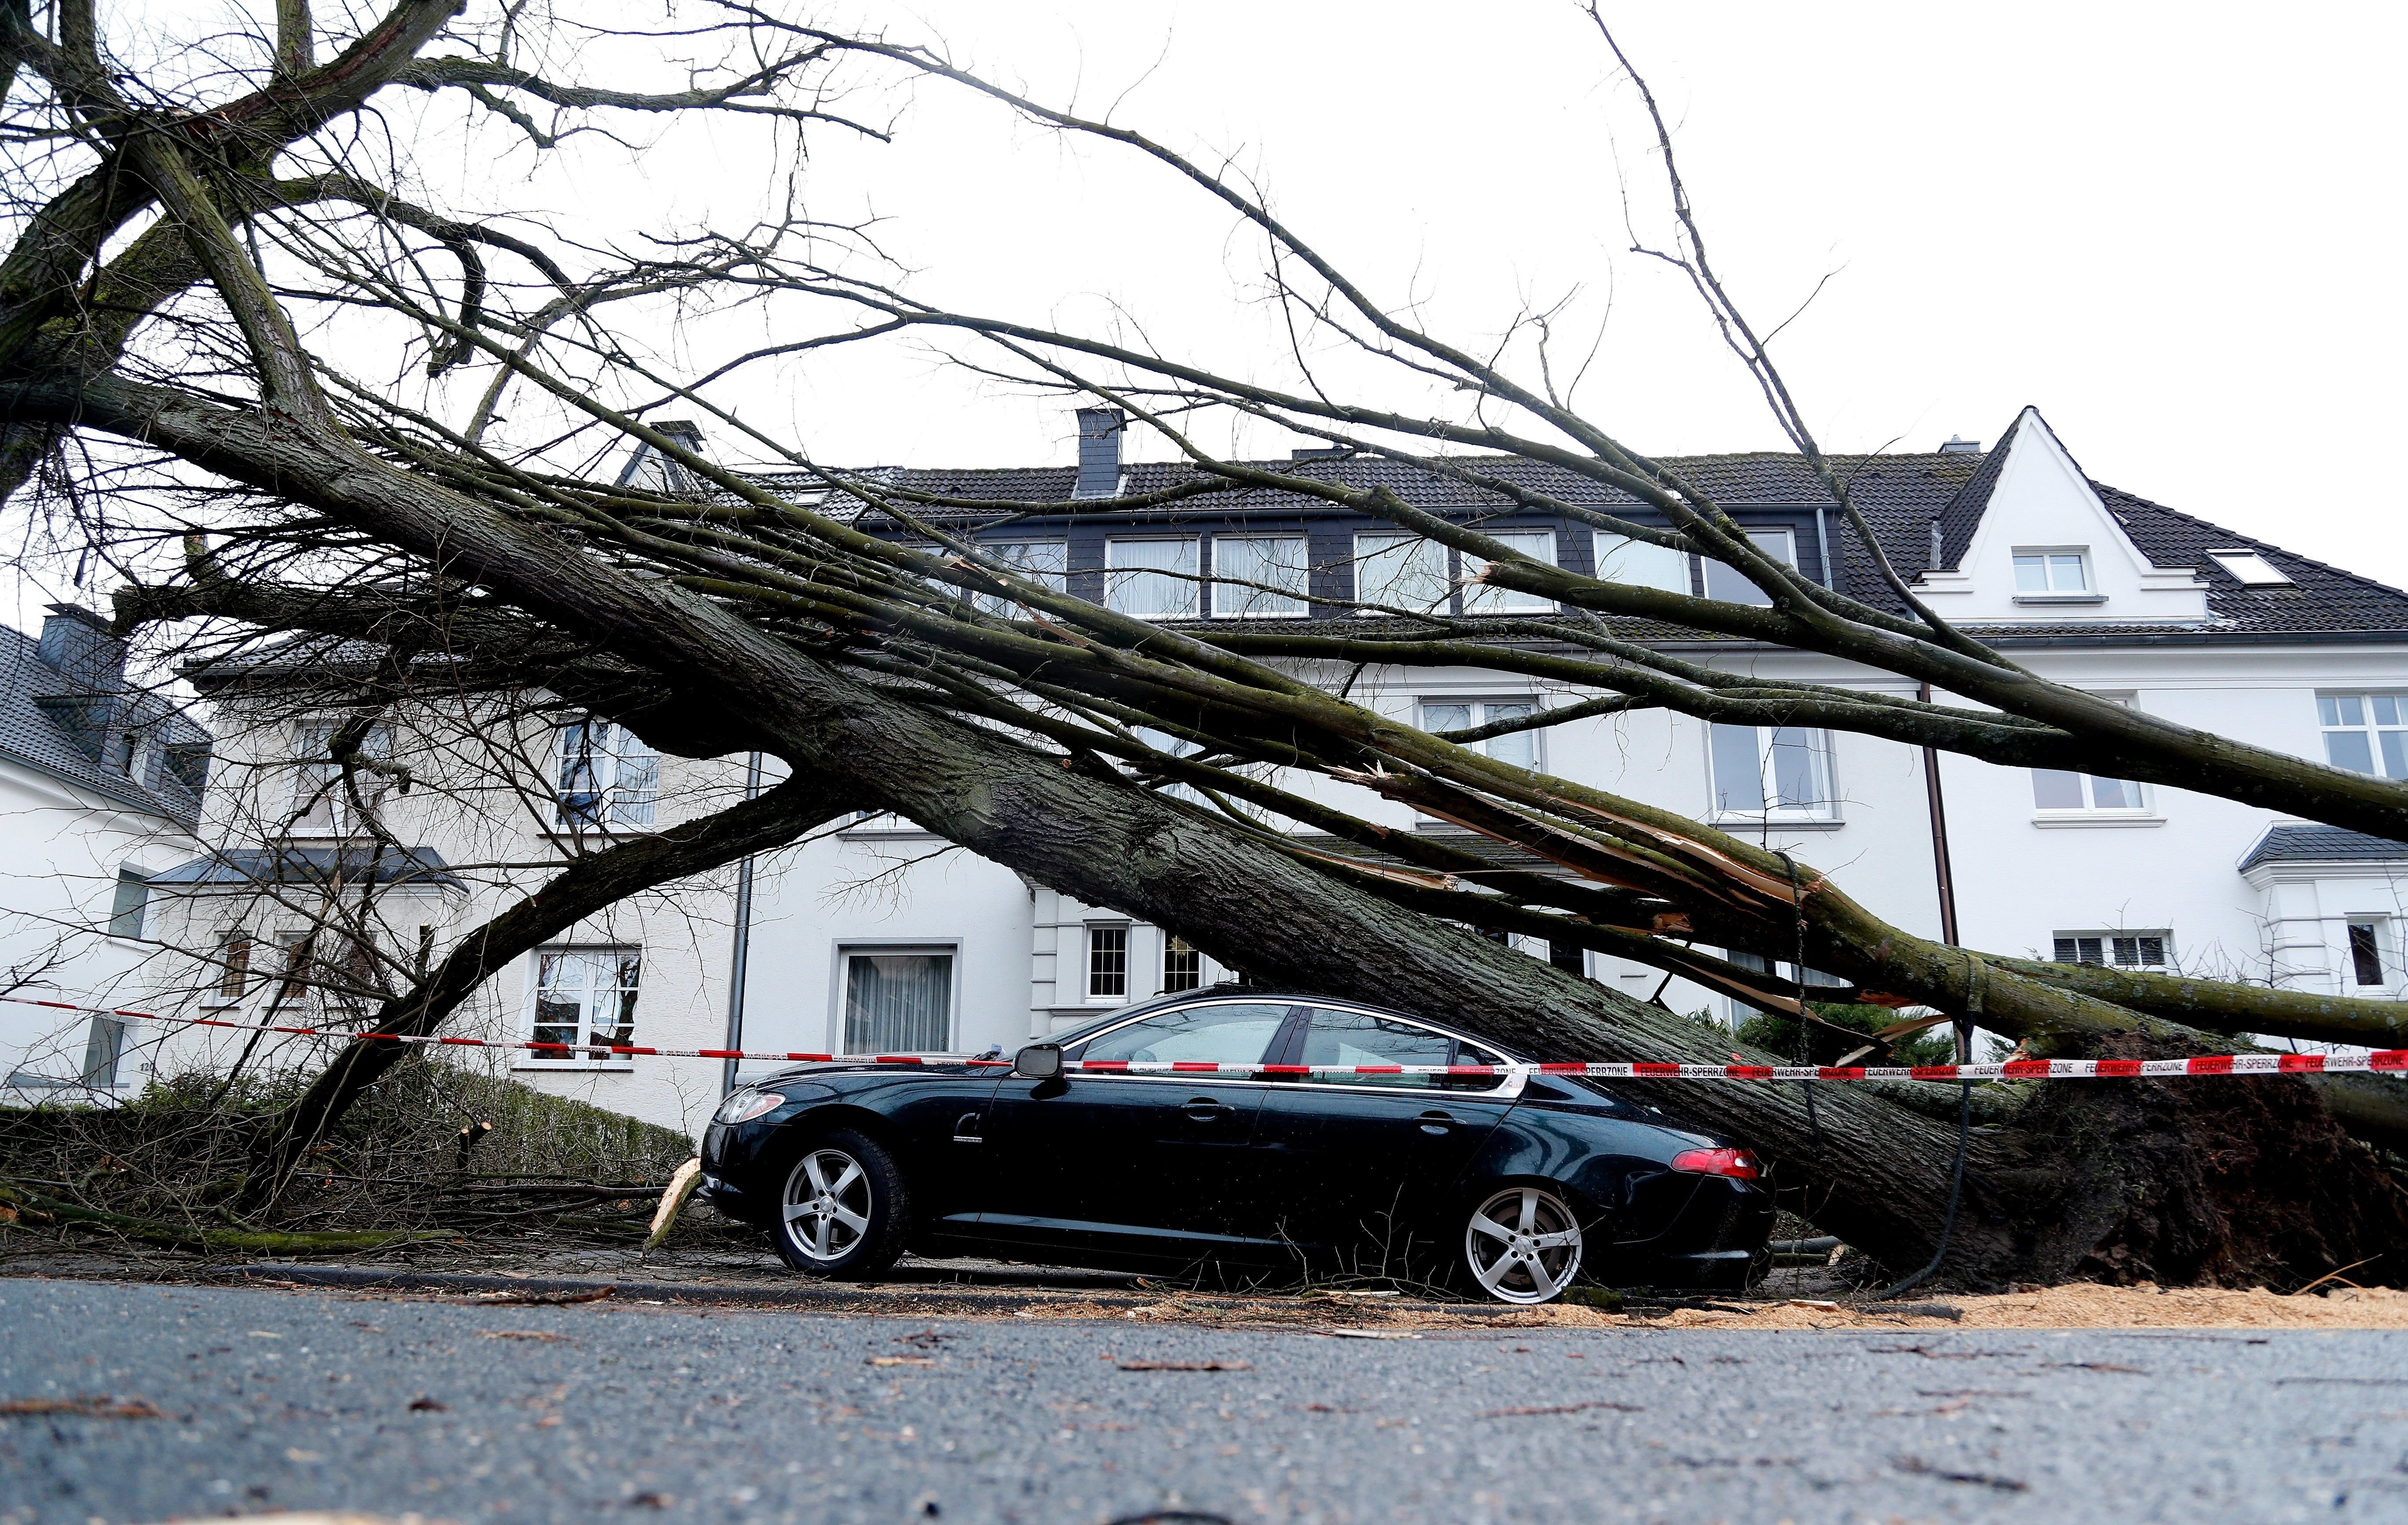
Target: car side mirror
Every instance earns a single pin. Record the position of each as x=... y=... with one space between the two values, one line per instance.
x=1038 y=1061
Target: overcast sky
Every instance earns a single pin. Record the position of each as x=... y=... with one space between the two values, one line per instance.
x=2176 y=230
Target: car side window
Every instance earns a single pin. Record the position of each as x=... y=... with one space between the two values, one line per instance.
x=1238 y=1032
x=1342 y=1038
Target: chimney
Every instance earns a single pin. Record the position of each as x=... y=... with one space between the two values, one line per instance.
x=1957 y=446
x=77 y=644
x=1099 y=452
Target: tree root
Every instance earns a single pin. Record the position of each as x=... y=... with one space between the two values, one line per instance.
x=32 y=1206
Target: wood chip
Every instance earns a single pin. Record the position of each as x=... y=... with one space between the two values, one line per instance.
x=97 y=1408
x=902 y=1361
x=1558 y=1408
x=1186 y=1365
x=545 y=1335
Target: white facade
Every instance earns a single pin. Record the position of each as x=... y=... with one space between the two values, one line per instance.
x=881 y=937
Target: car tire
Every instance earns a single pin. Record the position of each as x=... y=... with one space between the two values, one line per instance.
x=843 y=1212
x=1521 y=1244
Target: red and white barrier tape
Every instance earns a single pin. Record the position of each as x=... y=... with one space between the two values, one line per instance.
x=2389 y=1061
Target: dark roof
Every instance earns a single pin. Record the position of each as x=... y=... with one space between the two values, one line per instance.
x=2312 y=843
x=42 y=738
x=286 y=865
x=1901 y=497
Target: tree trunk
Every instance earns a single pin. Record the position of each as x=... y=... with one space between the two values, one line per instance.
x=2151 y=1182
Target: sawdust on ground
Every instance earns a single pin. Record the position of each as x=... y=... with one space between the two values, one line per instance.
x=2080 y=1306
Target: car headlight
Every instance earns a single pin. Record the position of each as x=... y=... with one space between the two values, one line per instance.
x=746 y=1106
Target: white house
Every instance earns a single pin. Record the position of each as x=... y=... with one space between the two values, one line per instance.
x=882 y=937
x=100 y=789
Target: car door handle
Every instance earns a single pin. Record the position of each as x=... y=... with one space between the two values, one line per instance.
x=1436 y=1123
x=1203 y=1109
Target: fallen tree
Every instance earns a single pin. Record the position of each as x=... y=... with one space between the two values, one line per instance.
x=717 y=613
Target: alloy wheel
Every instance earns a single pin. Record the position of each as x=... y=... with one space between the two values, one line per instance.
x=1523 y=1246
x=828 y=1205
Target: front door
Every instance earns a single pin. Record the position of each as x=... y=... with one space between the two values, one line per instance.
x=1358 y=1167
x=1132 y=1163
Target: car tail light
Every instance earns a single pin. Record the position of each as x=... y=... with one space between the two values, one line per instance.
x=1735 y=1163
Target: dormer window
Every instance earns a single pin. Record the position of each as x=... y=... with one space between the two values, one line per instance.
x=2052 y=572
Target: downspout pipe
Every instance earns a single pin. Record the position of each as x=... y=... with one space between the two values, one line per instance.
x=743 y=940
x=1943 y=875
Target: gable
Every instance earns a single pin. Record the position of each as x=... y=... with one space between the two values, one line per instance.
x=2039 y=503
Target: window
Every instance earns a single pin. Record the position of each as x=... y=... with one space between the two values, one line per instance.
x=1480 y=598
x=1520 y=748
x=2366 y=960
x=1237 y=1032
x=186 y=764
x=1108 y=962
x=897 y=1003
x=2056 y=789
x=2046 y=573
x=585 y=996
x=321 y=805
x=2250 y=569
x=1342 y=1038
x=1400 y=571
x=1152 y=579
x=1568 y=957
x=292 y=969
x=133 y=898
x=609 y=777
x=234 y=965
x=1275 y=566
x=129 y=755
x=103 y=1049
x=1183 y=965
x=1046 y=563
x=1641 y=564
x=2126 y=950
x=1730 y=585
x=2361 y=728
x=1771 y=773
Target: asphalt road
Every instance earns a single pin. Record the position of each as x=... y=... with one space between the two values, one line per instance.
x=273 y=1399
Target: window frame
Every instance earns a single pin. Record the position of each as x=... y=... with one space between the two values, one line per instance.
x=1755 y=597
x=1192 y=579
x=318 y=778
x=617 y=952
x=2382 y=938
x=1600 y=552
x=129 y=907
x=2090 y=813
x=848 y=949
x=1481 y=598
x=2107 y=937
x=1088 y=994
x=612 y=815
x=2050 y=593
x=1480 y=704
x=1057 y=580
x=1445 y=574
x=1303 y=597
x=2369 y=729
x=1826 y=813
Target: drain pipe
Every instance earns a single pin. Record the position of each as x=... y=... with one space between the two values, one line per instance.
x=1943 y=876
x=743 y=939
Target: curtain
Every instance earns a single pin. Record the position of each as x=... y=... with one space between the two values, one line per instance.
x=897 y=1003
